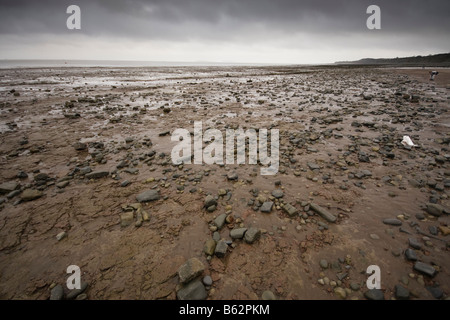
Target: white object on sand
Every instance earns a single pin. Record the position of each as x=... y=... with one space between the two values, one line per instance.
x=408 y=142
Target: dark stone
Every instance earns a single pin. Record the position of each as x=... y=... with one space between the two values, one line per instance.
x=433 y=199
x=194 y=290
x=237 y=233
x=374 y=294
x=433 y=230
x=97 y=174
x=401 y=293
x=401 y=229
x=435 y=209
x=131 y=170
x=97 y=145
x=436 y=292
x=414 y=243
x=12 y=194
x=267 y=207
x=252 y=235
x=420 y=216
x=410 y=255
x=220 y=221
x=313 y=166
x=322 y=225
x=392 y=222
x=277 y=193
x=362 y=157
x=57 y=293
x=221 y=249
x=367 y=173
x=323 y=212
x=425 y=269
x=122 y=164
x=210 y=201
x=125 y=183
x=22 y=175
x=72 y=115
x=390 y=155
x=85 y=170
x=342 y=276
x=80 y=146
x=75 y=292
x=149 y=195
x=355 y=286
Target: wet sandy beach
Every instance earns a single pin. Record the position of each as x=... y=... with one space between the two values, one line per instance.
x=78 y=145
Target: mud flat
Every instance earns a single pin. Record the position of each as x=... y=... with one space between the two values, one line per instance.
x=86 y=179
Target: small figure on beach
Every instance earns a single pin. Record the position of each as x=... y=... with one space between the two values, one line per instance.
x=433 y=74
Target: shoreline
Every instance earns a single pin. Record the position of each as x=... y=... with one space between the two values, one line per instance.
x=79 y=134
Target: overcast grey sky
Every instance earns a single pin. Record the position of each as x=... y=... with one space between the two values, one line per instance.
x=247 y=31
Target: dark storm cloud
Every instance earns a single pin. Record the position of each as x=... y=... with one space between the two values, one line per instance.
x=270 y=31
x=223 y=20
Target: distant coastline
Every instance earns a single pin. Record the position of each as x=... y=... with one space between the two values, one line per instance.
x=436 y=60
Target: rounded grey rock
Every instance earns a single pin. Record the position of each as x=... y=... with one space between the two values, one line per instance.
x=374 y=294
x=149 y=195
x=194 y=290
x=410 y=255
x=207 y=281
x=252 y=235
x=57 y=292
x=401 y=292
x=392 y=222
x=277 y=193
x=216 y=236
x=323 y=264
x=237 y=233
